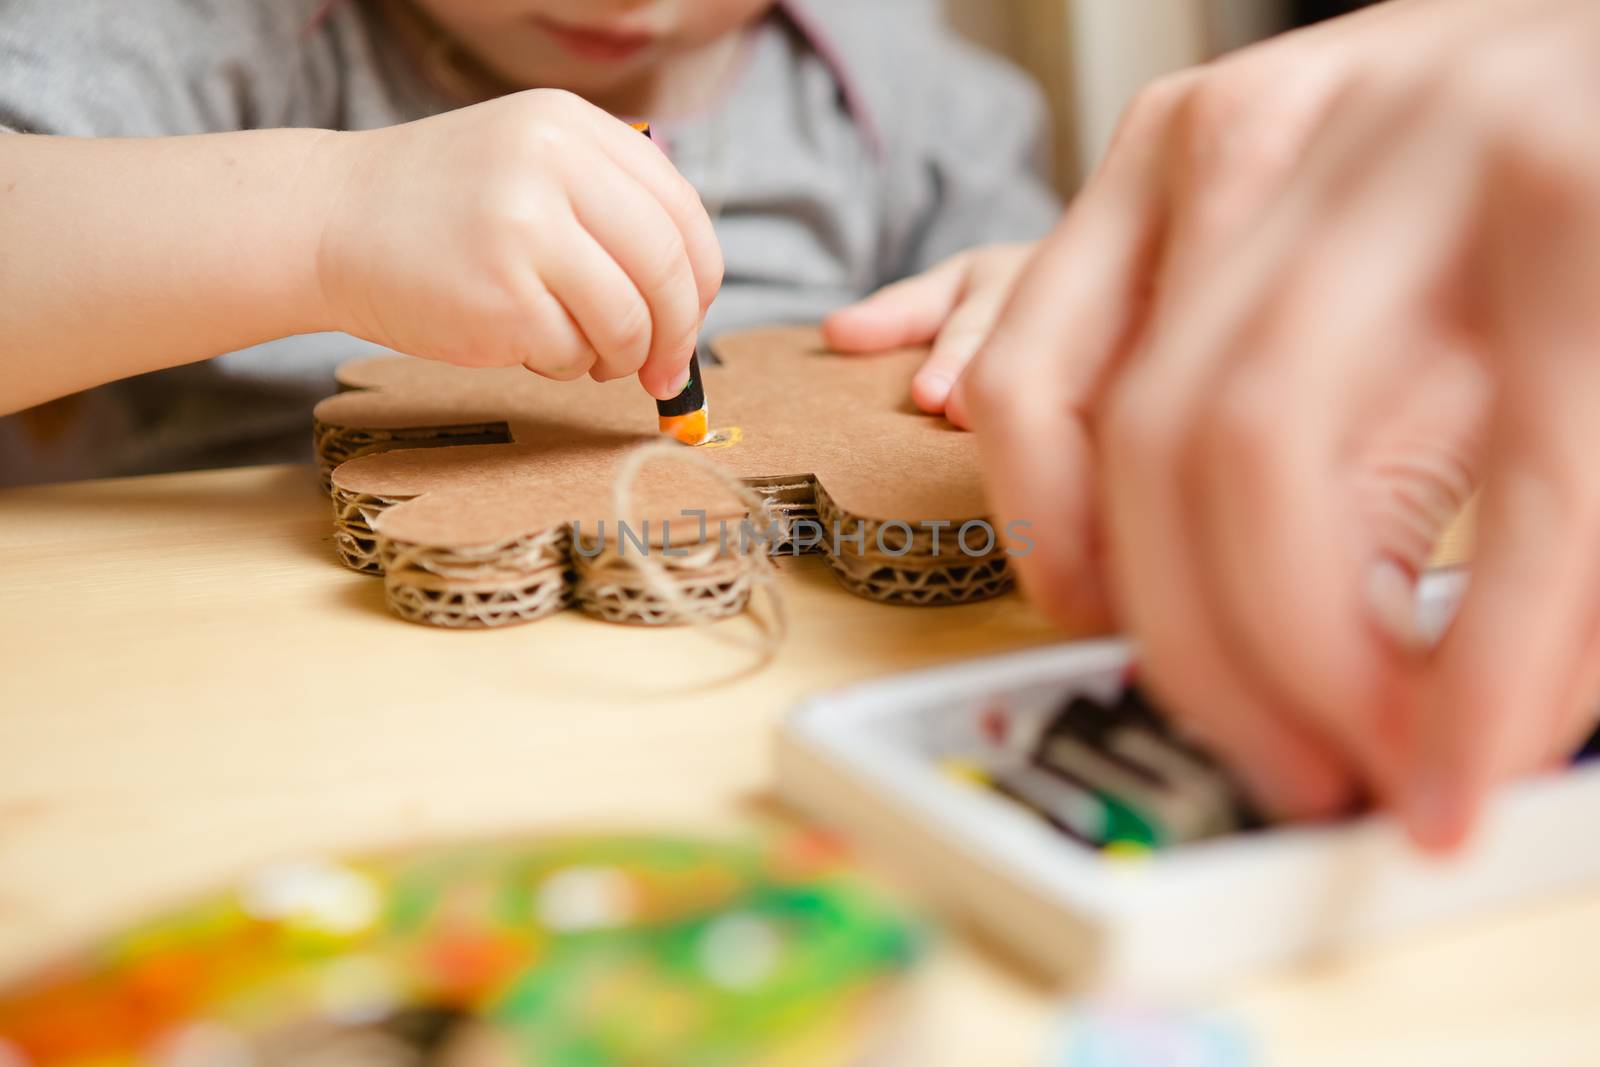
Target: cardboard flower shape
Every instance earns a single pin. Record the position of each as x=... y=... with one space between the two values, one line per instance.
x=487 y=497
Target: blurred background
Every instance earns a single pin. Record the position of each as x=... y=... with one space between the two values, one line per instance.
x=1092 y=56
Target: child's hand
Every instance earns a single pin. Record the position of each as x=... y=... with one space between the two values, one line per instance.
x=535 y=230
x=954 y=305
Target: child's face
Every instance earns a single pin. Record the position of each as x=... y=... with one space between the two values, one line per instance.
x=586 y=46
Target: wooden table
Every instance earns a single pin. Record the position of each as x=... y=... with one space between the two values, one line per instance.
x=190 y=686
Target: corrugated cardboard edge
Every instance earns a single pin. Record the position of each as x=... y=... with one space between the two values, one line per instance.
x=538 y=572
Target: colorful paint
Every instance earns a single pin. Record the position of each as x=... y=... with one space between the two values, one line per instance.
x=1113 y=775
x=563 y=953
x=725 y=438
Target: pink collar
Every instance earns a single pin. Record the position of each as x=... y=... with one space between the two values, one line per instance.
x=822 y=43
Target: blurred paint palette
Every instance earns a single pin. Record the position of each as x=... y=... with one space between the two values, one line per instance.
x=563 y=953
x=1041 y=797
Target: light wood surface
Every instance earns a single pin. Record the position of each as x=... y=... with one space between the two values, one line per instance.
x=190 y=686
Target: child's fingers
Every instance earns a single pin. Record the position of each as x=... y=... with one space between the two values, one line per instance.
x=960 y=338
x=650 y=167
x=600 y=297
x=550 y=343
x=909 y=312
x=635 y=230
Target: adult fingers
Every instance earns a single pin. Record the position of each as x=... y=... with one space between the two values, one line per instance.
x=1075 y=310
x=1417 y=477
x=1303 y=368
x=1286 y=767
x=1581 y=724
x=1191 y=442
x=909 y=312
x=1517 y=667
x=1147 y=424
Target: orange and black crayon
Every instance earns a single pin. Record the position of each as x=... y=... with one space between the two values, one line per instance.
x=686 y=416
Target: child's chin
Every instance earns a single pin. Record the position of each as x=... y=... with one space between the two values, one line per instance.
x=522 y=58
x=584 y=77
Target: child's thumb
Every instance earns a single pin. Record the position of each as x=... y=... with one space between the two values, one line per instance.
x=909 y=312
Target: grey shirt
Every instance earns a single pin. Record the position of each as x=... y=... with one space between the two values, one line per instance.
x=861 y=143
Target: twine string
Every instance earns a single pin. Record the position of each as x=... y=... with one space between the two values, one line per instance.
x=771 y=629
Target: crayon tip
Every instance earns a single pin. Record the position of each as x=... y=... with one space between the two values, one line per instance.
x=692 y=429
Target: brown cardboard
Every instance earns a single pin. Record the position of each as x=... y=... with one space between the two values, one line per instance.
x=801 y=417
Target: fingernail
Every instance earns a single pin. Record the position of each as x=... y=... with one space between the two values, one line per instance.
x=1392 y=600
x=1435 y=813
x=955 y=408
x=679 y=384
x=935 y=387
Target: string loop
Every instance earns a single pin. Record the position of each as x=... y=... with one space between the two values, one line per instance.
x=771 y=630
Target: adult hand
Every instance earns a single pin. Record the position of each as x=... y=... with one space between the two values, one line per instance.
x=1315 y=294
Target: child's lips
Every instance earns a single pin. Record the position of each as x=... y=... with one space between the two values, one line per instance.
x=604 y=45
